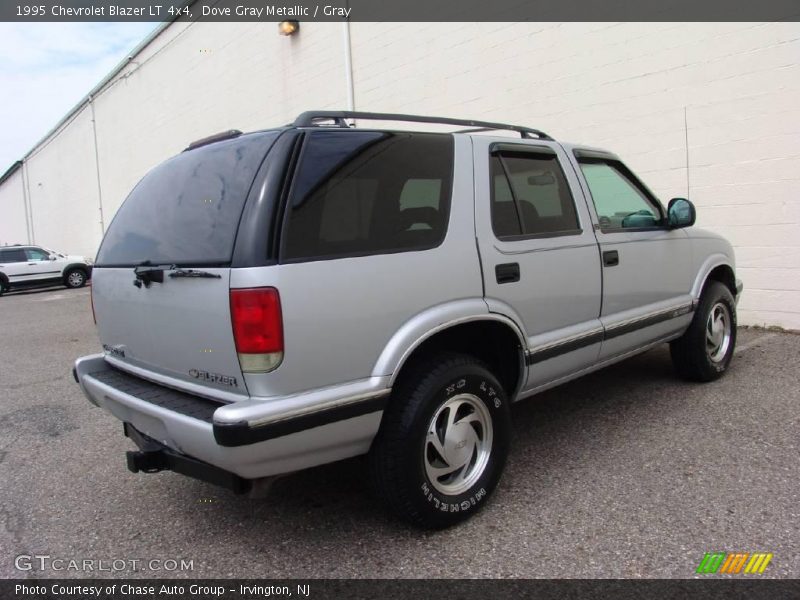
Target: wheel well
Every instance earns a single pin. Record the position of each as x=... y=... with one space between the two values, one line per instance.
x=723 y=274
x=491 y=342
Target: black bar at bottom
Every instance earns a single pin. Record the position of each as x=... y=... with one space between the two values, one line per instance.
x=370 y=589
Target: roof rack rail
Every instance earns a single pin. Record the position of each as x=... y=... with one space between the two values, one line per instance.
x=475 y=130
x=310 y=118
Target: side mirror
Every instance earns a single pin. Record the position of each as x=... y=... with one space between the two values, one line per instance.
x=681 y=213
x=53 y=257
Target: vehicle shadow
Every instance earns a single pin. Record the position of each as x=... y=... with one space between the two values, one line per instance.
x=334 y=502
x=41 y=290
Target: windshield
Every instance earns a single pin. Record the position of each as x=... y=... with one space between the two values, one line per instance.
x=186 y=210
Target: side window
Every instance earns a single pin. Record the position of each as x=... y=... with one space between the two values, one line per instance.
x=12 y=256
x=530 y=196
x=366 y=192
x=35 y=254
x=619 y=199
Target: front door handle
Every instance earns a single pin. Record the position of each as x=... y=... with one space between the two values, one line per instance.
x=610 y=258
x=507 y=273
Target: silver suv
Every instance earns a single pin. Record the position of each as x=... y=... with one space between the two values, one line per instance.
x=286 y=298
x=34 y=266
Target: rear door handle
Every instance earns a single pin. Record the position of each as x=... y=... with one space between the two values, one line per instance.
x=610 y=258
x=507 y=273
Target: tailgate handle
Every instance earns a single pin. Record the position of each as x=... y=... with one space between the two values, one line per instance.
x=507 y=273
x=610 y=258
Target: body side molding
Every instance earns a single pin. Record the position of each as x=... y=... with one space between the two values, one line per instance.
x=542 y=353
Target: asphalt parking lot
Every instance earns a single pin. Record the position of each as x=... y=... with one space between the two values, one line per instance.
x=627 y=472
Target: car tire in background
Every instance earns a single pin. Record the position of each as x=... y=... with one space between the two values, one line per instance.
x=443 y=441
x=704 y=351
x=75 y=278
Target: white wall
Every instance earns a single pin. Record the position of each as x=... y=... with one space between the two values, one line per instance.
x=63 y=202
x=642 y=90
x=207 y=78
x=13 y=225
x=732 y=89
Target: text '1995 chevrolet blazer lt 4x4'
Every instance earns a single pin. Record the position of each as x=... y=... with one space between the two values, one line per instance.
x=287 y=298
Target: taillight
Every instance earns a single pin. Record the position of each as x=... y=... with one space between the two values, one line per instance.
x=257 y=328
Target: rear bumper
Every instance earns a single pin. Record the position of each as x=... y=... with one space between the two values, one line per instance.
x=739 y=288
x=252 y=438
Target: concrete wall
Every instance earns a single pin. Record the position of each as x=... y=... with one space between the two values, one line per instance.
x=13 y=223
x=711 y=111
x=208 y=78
x=63 y=203
x=731 y=89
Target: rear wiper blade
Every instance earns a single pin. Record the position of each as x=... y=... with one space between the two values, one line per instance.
x=179 y=272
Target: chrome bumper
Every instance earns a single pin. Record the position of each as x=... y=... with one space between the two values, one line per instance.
x=252 y=438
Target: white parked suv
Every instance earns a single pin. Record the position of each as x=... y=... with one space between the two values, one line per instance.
x=34 y=266
x=277 y=300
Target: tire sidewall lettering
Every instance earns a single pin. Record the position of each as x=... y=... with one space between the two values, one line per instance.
x=487 y=392
x=469 y=503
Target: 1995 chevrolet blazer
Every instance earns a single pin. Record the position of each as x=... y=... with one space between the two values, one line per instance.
x=286 y=298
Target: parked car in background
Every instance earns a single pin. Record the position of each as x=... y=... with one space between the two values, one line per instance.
x=272 y=301
x=34 y=266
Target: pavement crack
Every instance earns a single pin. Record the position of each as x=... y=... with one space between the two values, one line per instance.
x=756 y=342
x=17 y=386
x=12 y=522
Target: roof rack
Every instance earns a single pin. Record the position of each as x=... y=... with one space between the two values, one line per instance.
x=310 y=118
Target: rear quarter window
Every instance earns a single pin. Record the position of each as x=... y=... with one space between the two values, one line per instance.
x=357 y=193
x=186 y=211
x=12 y=256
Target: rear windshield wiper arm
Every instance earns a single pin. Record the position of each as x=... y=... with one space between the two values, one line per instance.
x=146 y=273
x=179 y=272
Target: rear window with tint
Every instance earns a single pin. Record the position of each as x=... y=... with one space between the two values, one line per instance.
x=186 y=211
x=10 y=256
x=366 y=192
